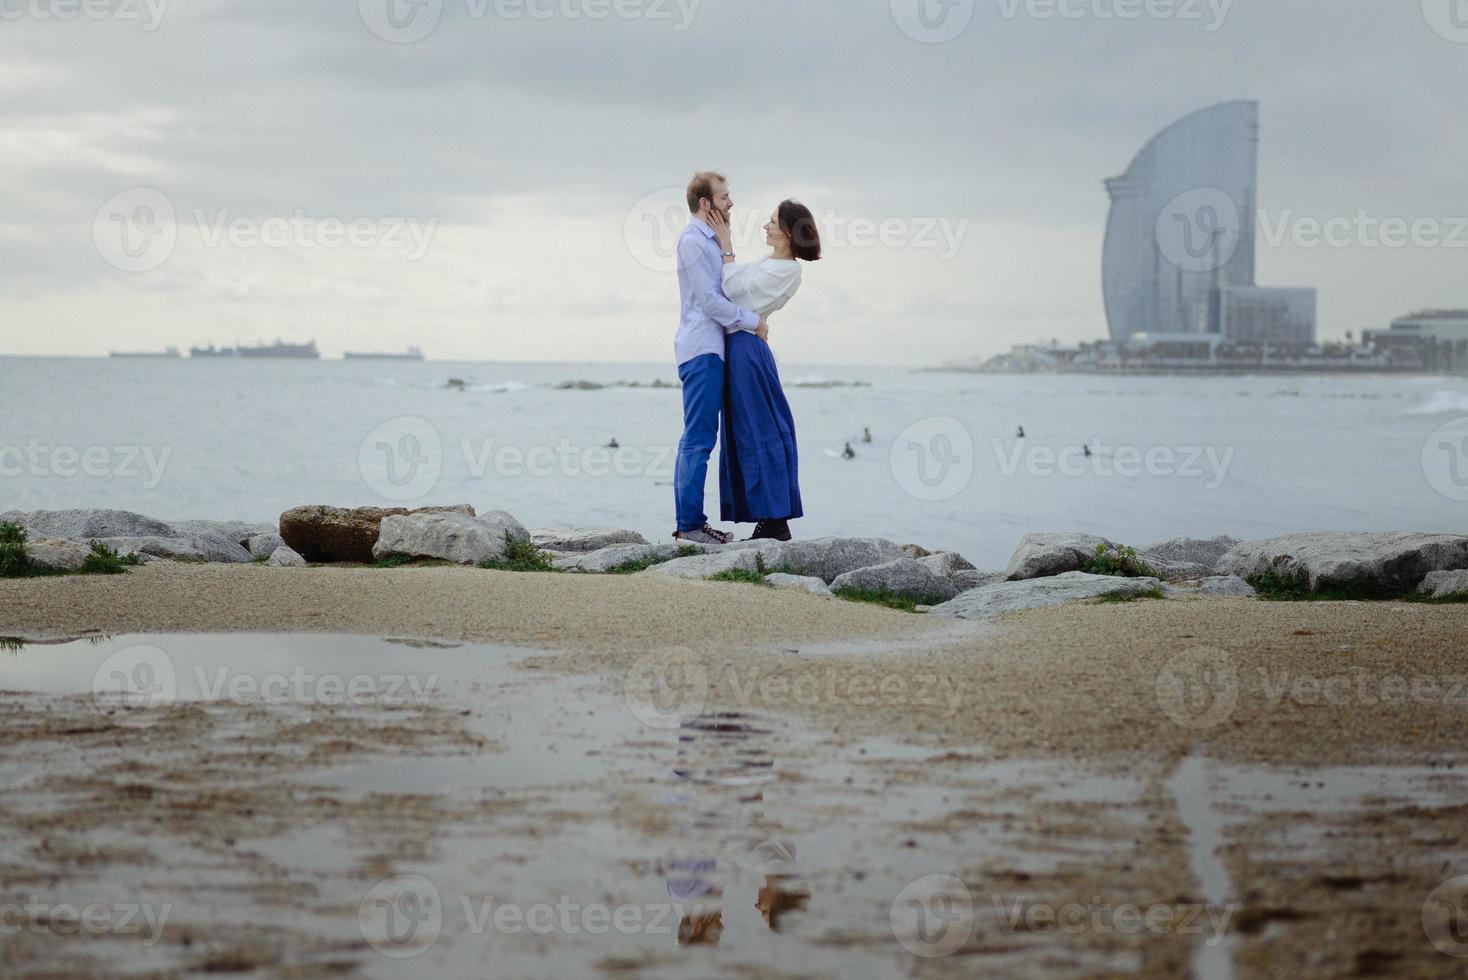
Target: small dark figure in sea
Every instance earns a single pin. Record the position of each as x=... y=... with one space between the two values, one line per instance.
x=866 y=435
x=614 y=444
x=1087 y=448
x=457 y=383
x=1021 y=433
x=849 y=452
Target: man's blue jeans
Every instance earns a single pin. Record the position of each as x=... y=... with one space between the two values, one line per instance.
x=703 y=398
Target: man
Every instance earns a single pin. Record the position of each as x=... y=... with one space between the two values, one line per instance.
x=699 y=346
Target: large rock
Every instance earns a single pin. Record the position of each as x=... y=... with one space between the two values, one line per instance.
x=1176 y=571
x=825 y=558
x=1230 y=586
x=197 y=547
x=945 y=563
x=582 y=539
x=610 y=559
x=976 y=579
x=1441 y=585
x=286 y=557
x=1041 y=555
x=264 y=545
x=798 y=583
x=1196 y=551
x=1389 y=563
x=706 y=566
x=240 y=532
x=451 y=537
x=87 y=525
x=906 y=577
x=57 y=555
x=330 y=534
x=1004 y=597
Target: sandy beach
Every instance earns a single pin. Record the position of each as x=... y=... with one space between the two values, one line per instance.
x=1055 y=762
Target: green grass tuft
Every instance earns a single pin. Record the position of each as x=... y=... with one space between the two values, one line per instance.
x=11 y=644
x=392 y=561
x=1119 y=562
x=651 y=559
x=739 y=575
x=1120 y=597
x=881 y=597
x=13 y=560
x=1274 y=587
x=104 y=560
x=520 y=556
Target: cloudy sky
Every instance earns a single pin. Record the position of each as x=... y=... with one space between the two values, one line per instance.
x=498 y=179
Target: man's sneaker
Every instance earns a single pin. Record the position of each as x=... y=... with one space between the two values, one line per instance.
x=703 y=535
x=771 y=530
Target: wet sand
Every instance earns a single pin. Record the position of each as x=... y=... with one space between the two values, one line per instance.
x=1075 y=760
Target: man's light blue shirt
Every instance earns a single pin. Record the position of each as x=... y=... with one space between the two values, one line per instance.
x=706 y=310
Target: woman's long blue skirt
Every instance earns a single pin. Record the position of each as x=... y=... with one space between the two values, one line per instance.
x=758 y=464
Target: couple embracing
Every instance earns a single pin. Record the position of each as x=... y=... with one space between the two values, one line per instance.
x=727 y=370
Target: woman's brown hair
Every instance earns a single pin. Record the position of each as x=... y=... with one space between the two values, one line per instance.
x=797 y=222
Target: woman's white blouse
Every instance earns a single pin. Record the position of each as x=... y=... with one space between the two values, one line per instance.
x=764 y=286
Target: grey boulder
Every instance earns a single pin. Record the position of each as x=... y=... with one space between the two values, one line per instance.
x=992 y=600
x=825 y=558
x=798 y=583
x=1217 y=585
x=264 y=545
x=610 y=559
x=286 y=557
x=1195 y=551
x=705 y=566
x=448 y=536
x=240 y=532
x=905 y=577
x=87 y=524
x=1042 y=555
x=57 y=555
x=1443 y=584
x=582 y=539
x=1388 y=563
x=197 y=547
x=976 y=579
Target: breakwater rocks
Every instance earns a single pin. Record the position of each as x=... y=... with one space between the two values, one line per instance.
x=1045 y=569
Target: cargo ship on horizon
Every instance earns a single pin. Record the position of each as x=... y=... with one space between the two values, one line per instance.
x=411 y=354
x=278 y=349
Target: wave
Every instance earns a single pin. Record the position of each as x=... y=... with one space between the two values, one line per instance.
x=1443 y=402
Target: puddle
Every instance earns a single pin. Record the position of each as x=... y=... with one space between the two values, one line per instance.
x=375 y=807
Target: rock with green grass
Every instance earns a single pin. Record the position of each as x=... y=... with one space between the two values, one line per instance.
x=320 y=533
x=1364 y=565
x=286 y=557
x=798 y=583
x=583 y=540
x=1445 y=584
x=449 y=536
x=711 y=564
x=993 y=600
x=88 y=524
x=1042 y=555
x=907 y=578
x=625 y=558
x=56 y=555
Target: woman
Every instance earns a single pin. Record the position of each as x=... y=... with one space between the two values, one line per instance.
x=758 y=466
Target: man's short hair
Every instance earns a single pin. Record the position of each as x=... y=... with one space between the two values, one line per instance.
x=702 y=185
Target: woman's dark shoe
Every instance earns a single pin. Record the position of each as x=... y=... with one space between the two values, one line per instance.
x=771 y=530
